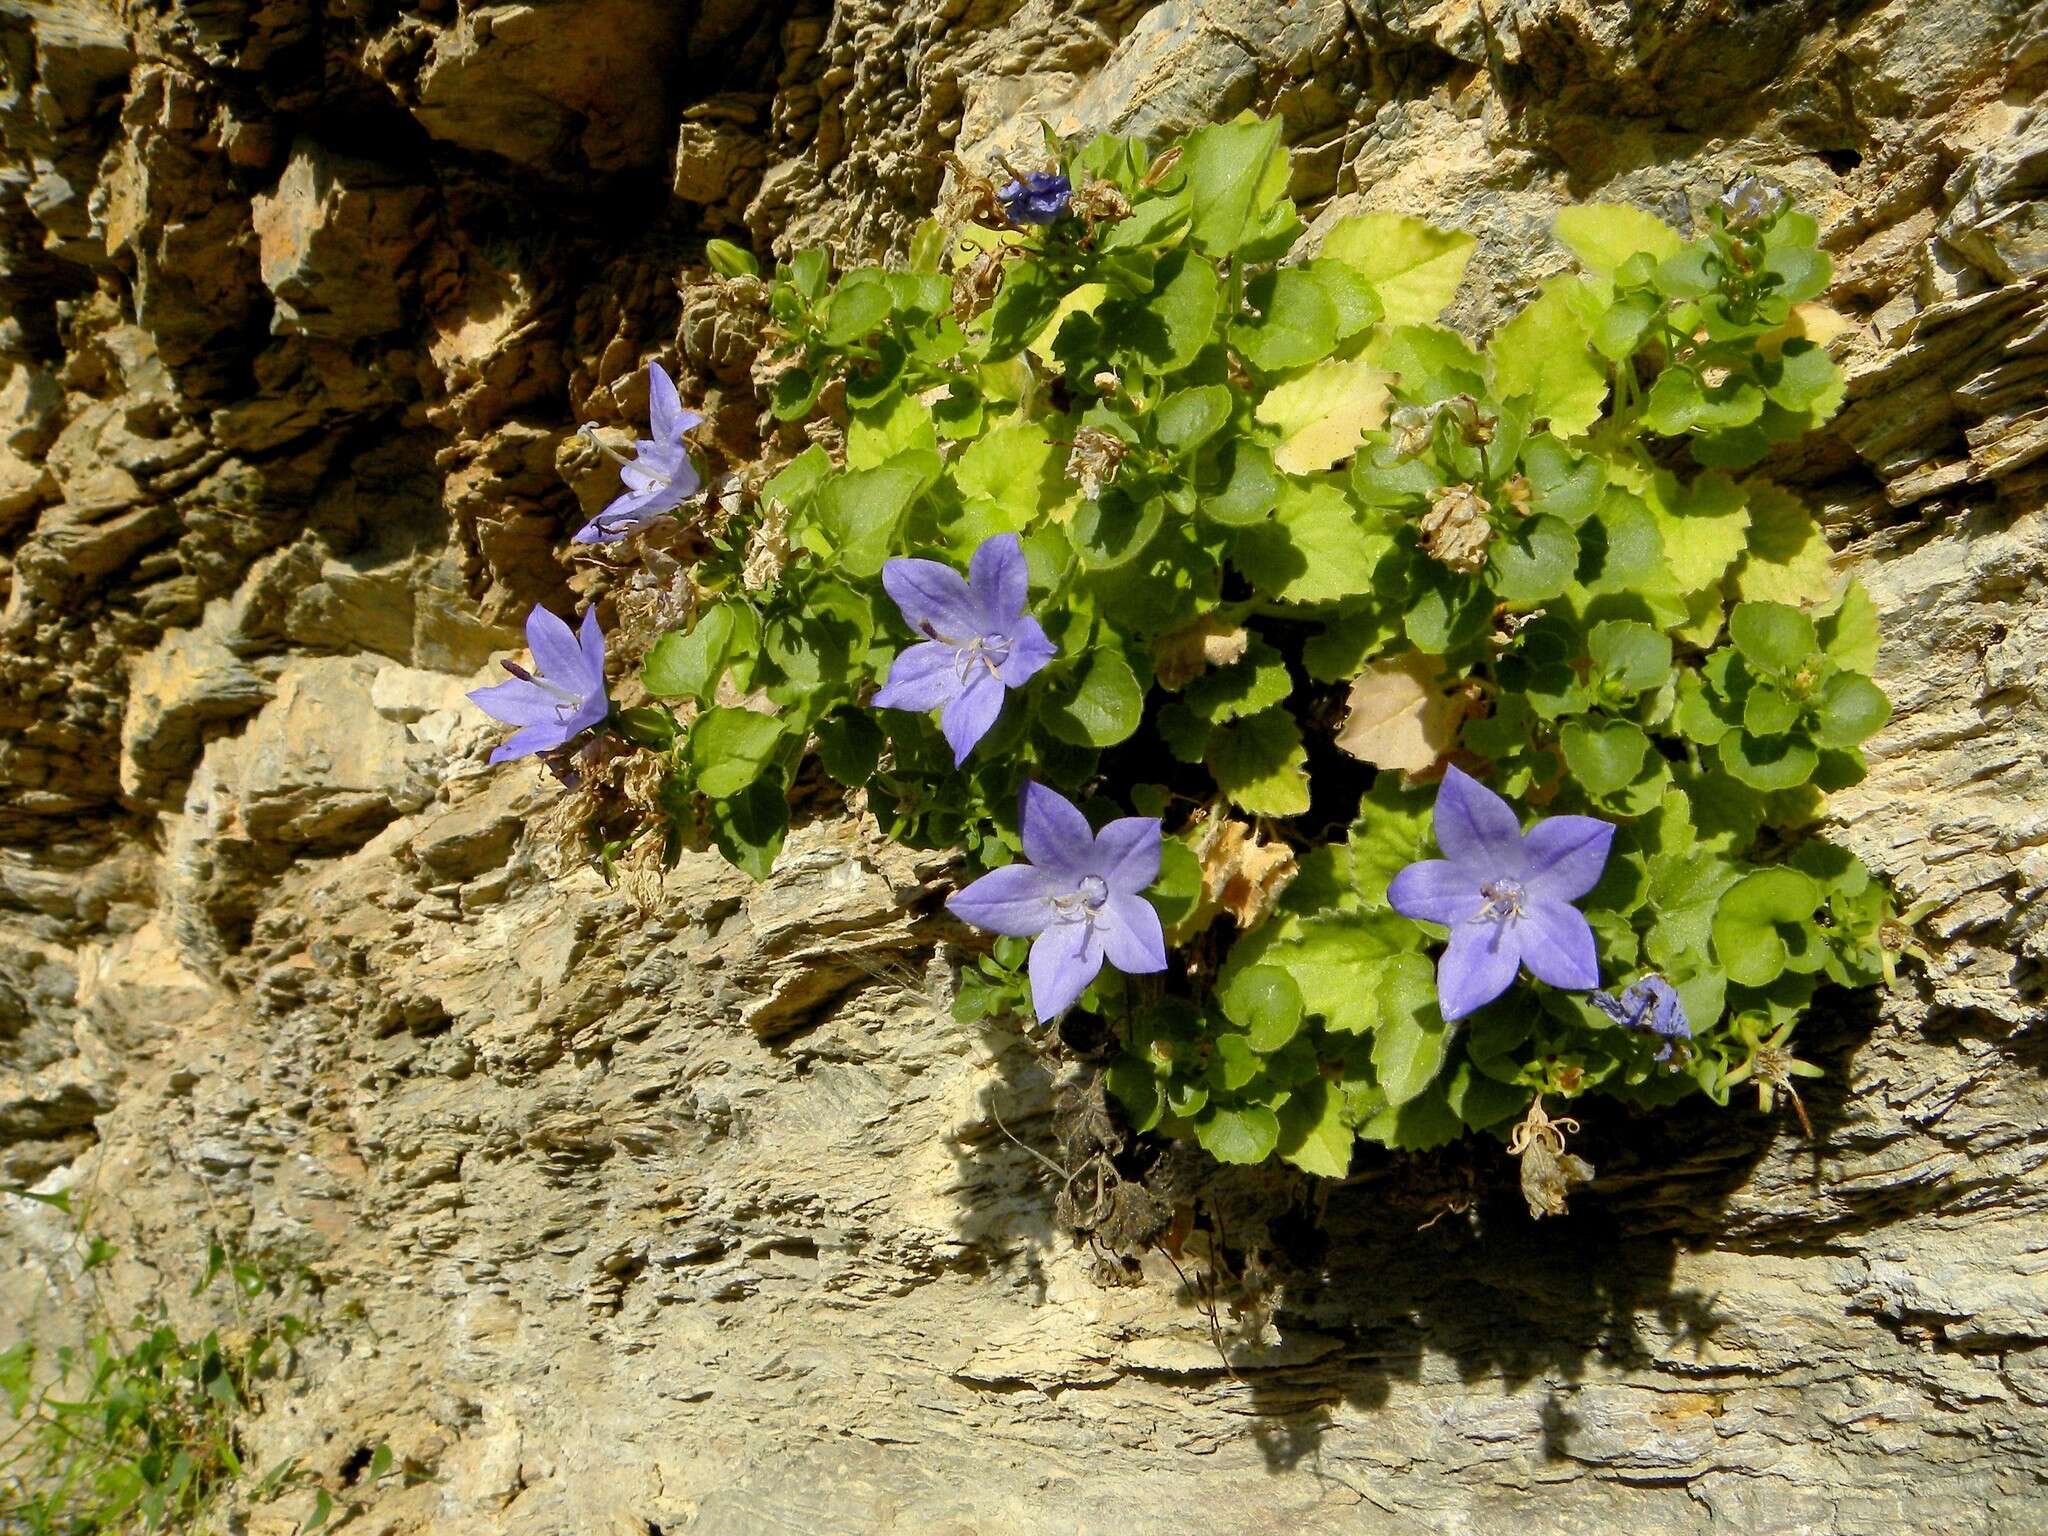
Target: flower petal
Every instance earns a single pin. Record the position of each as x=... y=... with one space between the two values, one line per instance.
x=590 y=643
x=1557 y=946
x=1029 y=652
x=1056 y=835
x=1014 y=900
x=999 y=580
x=555 y=652
x=535 y=738
x=970 y=712
x=516 y=703
x=1478 y=965
x=933 y=598
x=1565 y=856
x=664 y=406
x=1127 y=855
x=1132 y=936
x=1437 y=891
x=1475 y=827
x=1064 y=959
x=922 y=677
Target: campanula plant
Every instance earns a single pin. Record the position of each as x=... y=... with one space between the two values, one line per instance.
x=1383 y=732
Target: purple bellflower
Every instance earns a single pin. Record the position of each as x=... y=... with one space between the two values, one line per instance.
x=979 y=641
x=563 y=699
x=1040 y=198
x=1079 y=899
x=1651 y=1004
x=1506 y=896
x=659 y=477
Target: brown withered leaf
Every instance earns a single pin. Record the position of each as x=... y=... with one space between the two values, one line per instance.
x=1183 y=655
x=1399 y=716
x=1240 y=874
x=1548 y=1177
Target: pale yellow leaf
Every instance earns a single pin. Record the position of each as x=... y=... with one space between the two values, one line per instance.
x=1399 y=717
x=1323 y=415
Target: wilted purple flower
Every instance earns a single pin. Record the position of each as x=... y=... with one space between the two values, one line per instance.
x=1505 y=897
x=1040 y=198
x=1750 y=202
x=564 y=700
x=1650 y=1004
x=979 y=639
x=659 y=477
x=1079 y=899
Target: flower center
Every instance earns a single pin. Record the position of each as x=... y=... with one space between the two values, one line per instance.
x=989 y=651
x=1084 y=901
x=1503 y=901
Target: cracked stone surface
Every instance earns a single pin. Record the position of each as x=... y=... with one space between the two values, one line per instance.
x=692 y=1209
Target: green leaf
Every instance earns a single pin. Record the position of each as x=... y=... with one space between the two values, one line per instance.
x=1786 y=559
x=1135 y=1086
x=799 y=479
x=1265 y=1003
x=1235 y=172
x=1013 y=474
x=729 y=260
x=748 y=828
x=1409 y=1046
x=1250 y=487
x=1481 y=1101
x=1097 y=705
x=1177 y=893
x=1773 y=637
x=1849 y=634
x=380 y=1461
x=1764 y=927
x=1256 y=681
x=1769 y=711
x=1184 y=305
x=1315 y=1135
x=859 y=307
x=1357 y=304
x=1415 y=269
x=1260 y=764
x=1851 y=709
x=809 y=272
x=1631 y=655
x=1545 y=355
x=796 y=391
x=689 y=665
x=1768 y=763
x=1187 y=418
x=1604 y=235
x=1534 y=561
x=850 y=744
x=1603 y=756
x=1313 y=550
x=1392 y=831
x=1245 y=1134
x=1296 y=324
x=862 y=511
x=729 y=748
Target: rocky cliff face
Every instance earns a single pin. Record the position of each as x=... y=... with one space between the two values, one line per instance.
x=690 y=1208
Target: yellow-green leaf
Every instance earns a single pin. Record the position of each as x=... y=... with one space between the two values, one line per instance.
x=1414 y=268
x=1604 y=235
x=1323 y=414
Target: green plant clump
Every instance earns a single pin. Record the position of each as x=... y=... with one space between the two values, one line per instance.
x=134 y=1428
x=1299 y=549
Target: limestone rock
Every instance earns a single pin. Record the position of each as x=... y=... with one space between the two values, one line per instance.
x=711 y=1161
x=334 y=241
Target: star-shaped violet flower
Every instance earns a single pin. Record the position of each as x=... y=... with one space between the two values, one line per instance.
x=1079 y=899
x=659 y=477
x=1651 y=1004
x=563 y=699
x=1506 y=897
x=1039 y=198
x=979 y=641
